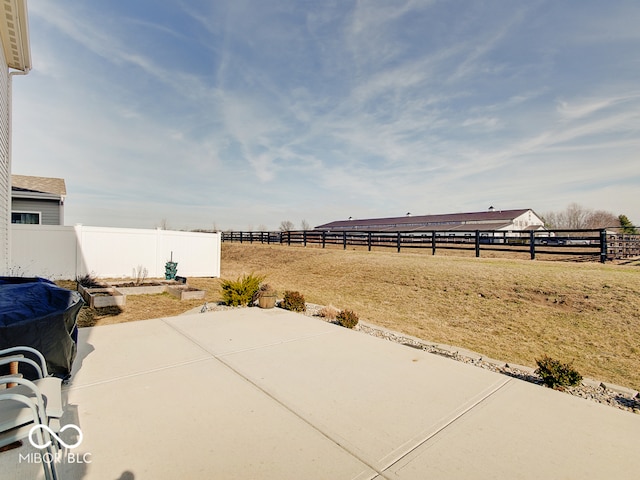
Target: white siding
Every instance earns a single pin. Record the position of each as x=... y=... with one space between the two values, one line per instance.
x=528 y=219
x=5 y=167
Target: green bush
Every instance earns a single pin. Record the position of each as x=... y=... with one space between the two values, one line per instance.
x=241 y=291
x=293 y=301
x=347 y=318
x=557 y=375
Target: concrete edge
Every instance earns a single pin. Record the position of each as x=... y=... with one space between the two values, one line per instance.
x=469 y=355
x=452 y=351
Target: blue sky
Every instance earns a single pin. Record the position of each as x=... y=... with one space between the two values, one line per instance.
x=241 y=114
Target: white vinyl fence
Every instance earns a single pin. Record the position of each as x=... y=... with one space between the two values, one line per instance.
x=58 y=252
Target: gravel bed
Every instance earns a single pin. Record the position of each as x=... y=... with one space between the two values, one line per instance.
x=589 y=390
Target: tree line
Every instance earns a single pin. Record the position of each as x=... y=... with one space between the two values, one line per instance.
x=574 y=217
x=578 y=217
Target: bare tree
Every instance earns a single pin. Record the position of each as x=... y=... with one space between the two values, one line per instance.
x=602 y=219
x=262 y=227
x=304 y=225
x=576 y=217
x=286 y=226
x=551 y=219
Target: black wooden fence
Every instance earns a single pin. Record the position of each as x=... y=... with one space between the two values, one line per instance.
x=598 y=244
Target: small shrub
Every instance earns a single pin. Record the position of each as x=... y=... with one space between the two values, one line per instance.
x=140 y=274
x=347 y=318
x=293 y=301
x=329 y=312
x=557 y=375
x=89 y=280
x=241 y=291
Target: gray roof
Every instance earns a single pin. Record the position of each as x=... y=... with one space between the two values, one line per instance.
x=487 y=220
x=54 y=186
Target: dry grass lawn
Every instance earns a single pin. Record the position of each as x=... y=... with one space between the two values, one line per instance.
x=511 y=310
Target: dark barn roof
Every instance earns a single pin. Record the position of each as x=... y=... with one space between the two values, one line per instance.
x=487 y=220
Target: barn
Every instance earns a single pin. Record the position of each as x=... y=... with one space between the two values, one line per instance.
x=489 y=220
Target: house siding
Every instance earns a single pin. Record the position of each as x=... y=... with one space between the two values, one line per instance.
x=5 y=167
x=49 y=209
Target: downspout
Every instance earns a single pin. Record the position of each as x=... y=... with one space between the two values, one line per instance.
x=61 y=210
x=9 y=263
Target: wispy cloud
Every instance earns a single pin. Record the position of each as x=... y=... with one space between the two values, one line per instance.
x=251 y=112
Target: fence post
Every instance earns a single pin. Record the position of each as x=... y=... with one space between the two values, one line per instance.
x=433 y=242
x=603 y=245
x=250 y=237
x=324 y=238
x=398 y=241
x=532 y=244
x=477 y=243
x=344 y=240
x=369 y=241
x=288 y=238
x=240 y=237
x=304 y=238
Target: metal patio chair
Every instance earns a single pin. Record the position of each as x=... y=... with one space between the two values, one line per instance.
x=30 y=407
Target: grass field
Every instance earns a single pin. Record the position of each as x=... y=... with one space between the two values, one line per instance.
x=511 y=310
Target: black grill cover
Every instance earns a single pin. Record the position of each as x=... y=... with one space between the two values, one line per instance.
x=35 y=312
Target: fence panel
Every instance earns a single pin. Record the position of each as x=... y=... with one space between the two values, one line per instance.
x=43 y=250
x=59 y=252
x=623 y=246
x=116 y=252
x=583 y=243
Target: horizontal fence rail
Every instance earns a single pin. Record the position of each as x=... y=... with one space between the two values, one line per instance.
x=598 y=244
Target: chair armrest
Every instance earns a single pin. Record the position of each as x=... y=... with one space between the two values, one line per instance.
x=33 y=351
x=28 y=384
x=22 y=359
x=11 y=376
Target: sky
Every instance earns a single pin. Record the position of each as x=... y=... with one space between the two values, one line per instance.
x=242 y=114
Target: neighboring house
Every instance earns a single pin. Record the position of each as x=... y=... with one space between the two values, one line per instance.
x=37 y=200
x=492 y=219
x=15 y=58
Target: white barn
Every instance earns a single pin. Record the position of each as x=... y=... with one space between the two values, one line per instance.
x=492 y=219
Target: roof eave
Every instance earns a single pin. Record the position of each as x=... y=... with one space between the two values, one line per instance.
x=36 y=195
x=14 y=31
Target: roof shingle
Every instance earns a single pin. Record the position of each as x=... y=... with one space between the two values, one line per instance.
x=55 y=186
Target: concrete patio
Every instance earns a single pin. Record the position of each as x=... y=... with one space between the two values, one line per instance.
x=270 y=394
